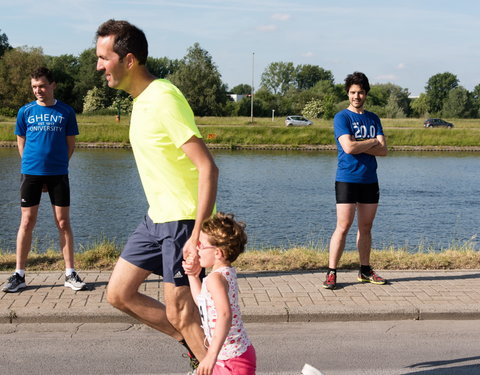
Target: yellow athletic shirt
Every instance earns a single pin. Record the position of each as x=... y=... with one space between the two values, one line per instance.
x=161 y=122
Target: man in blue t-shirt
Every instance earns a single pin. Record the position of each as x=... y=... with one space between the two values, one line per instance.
x=46 y=130
x=359 y=137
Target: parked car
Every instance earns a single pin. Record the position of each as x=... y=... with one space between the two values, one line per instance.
x=434 y=122
x=297 y=121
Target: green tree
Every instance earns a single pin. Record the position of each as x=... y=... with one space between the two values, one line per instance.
x=324 y=91
x=241 y=89
x=260 y=108
x=278 y=77
x=329 y=108
x=94 y=100
x=87 y=78
x=393 y=108
x=162 y=67
x=321 y=108
x=15 y=68
x=389 y=100
x=420 y=106
x=307 y=76
x=200 y=81
x=437 y=89
x=4 y=45
x=65 y=70
x=458 y=103
x=476 y=101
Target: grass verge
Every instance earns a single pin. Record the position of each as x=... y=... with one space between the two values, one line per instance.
x=104 y=254
x=238 y=131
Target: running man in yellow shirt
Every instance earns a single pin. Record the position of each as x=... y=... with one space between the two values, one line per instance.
x=179 y=177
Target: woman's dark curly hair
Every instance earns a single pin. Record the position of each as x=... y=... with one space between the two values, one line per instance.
x=227 y=234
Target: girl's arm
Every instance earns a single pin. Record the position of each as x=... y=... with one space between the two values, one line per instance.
x=195 y=286
x=193 y=278
x=218 y=288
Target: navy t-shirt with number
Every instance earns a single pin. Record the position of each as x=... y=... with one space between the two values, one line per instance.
x=356 y=168
x=45 y=130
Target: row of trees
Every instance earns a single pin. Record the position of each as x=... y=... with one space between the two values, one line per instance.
x=284 y=87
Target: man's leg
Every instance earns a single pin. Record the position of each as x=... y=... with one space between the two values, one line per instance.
x=62 y=221
x=24 y=235
x=123 y=294
x=345 y=216
x=183 y=314
x=365 y=216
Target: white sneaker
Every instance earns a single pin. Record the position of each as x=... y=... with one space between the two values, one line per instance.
x=310 y=370
x=74 y=281
x=14 y=283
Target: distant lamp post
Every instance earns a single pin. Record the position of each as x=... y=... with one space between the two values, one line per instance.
x=251 y=94
x=273 y=115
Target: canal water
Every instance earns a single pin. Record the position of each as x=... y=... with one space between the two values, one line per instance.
x=286 y=198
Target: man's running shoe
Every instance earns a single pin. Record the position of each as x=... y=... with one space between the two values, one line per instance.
x=14 y=283
x=74 y=281
x=373 y=278
x=331 y=281
x=193 y=361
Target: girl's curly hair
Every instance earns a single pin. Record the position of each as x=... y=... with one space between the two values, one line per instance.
x=227 y=234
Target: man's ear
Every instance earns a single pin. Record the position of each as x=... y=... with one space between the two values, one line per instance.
x=130 y=60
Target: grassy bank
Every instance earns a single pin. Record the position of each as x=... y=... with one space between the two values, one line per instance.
x=238 y=131
x=103 y=255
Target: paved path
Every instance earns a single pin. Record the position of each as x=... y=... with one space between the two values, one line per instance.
x=273 y=297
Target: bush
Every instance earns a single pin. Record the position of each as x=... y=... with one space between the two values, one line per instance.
x=8 y=112
x=313 y=109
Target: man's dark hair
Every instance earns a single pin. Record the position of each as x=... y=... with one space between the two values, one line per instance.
x=127 y=39
x=43 y=72
x=357 y=78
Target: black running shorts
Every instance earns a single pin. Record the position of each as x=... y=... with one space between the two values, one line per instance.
x=31 y=190
x=348 y=192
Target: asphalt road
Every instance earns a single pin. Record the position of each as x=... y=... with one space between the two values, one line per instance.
x=381 y=347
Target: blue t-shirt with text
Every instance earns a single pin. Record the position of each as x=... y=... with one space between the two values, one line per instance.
x=356 y=168
x=45 y=130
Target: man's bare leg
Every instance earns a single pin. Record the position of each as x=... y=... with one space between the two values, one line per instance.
x=24 y=235
x=365 y=216
x=62 y=221
x=345 y=216
x=183 y=314
x=123 y=294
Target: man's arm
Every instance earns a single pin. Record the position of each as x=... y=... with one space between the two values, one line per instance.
x=380 y=149
x=198 y=153
x=70 y=145
x=21 y=144
x=351 y=146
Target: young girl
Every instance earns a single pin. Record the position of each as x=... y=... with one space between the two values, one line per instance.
x=229 y=350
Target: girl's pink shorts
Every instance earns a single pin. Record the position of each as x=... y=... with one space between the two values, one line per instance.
x=242 y=365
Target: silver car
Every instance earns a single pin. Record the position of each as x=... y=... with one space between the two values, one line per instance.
x=297 y=121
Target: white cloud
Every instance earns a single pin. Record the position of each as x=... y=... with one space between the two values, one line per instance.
x=267 y=28
x=307 y=54
x=281 y=16
x=401 y=66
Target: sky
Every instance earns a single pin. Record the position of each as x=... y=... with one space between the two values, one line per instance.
x=404 y=42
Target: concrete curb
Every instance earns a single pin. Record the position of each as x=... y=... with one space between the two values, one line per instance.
x=294 y=315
